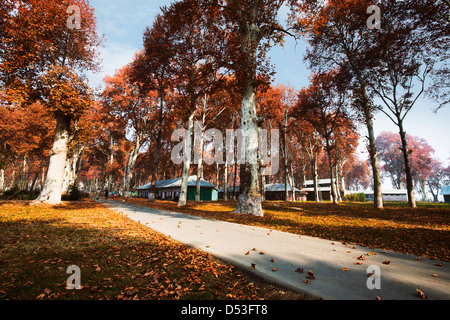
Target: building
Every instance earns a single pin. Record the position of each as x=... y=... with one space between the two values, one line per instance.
x=389 y=195
x=445 y=192
x=273 y=191
x=324 y=189
x=170 y=189
x=276 y=191
x=230 y=192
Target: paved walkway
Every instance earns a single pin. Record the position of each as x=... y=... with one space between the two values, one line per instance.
x=333 y=264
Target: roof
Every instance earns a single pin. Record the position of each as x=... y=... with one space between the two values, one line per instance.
x=268 y=187
x=445 y=191
x=174 y=183
x=278 y=187
x=230 y=189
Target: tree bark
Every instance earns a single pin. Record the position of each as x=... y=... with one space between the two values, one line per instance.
x=130 y=166
x=315 y=182
x=187 y=162
x=407 y=162
x=330 y=164
x=152 y=194
x=51 y=192
x=249 y=199
x=377 y=194
x=199 y=159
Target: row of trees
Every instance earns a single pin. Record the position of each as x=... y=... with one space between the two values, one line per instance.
x=205 y=60
x=428 y=173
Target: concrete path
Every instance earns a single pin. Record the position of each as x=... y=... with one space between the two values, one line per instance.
x=333 y=264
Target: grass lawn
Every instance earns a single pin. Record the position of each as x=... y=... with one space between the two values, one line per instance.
x=118 y=259
x=424 y=231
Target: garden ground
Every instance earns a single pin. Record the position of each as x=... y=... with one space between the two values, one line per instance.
x=118 y=258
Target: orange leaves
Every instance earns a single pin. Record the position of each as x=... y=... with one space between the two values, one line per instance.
x=310 y=275
x=421 y=294
x=118 y=258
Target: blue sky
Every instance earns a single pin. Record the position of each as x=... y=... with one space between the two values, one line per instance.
x=123 y=23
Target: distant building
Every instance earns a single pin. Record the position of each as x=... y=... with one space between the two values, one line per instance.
x=170 y=189
x=445 y=191
x=273 y=191
x=324 y=189
x=276 y=191
x=230 y=192
x=389 y=195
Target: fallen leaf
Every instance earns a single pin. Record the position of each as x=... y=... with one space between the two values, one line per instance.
x=386 y=262
x=358 y=262
x=345 y=269
x=438 y=264
x=421 y=294
x=272 y=260
x=434 y=275
x=252 y=266
x=247 y=253
x=262 y=252
x=274 y=269
x=310 y=275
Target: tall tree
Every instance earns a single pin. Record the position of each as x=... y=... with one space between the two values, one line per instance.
x=337 y=34
x=153 y=67
x=196 y=37
x=391 y=154
x=255 y=29
x=40 y=58
x=322 y=104
x=401 y=63
x=136 y=107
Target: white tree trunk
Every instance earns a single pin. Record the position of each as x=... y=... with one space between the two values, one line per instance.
x=249 y=200
x=186 y=162
x=199 y=156
x=130 y=166
x=51 y=192
x=2 y=180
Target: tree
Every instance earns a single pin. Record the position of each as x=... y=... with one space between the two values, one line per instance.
x=153 y=67
x=337 y=33
x=196 y=35
x=399 y=66
x=42 y=64
x=390 y=147
x=276 y=104
x=129 y=103
x=436 y=178
x=254 y=29
x=322 y=105
x=357 y=175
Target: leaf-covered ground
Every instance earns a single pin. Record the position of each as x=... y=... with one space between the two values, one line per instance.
x=118 y=259
x=423 y=231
